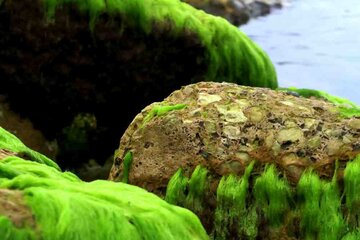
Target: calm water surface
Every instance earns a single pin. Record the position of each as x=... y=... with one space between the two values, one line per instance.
x=313 y=44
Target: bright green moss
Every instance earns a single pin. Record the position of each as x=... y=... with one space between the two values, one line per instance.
x=11 y=143
x=66 y=208
x=175 y=191
x=272 y=195
x=231 y=207
x=346 y=108
x=186 y=192
x=9 y=231
x=197 y=187
x=319 y=204
x=230 y=54
x=351 y=190
x=159 y=110
x=127 y=165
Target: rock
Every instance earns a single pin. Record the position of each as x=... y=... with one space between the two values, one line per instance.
x=225 y=122
x=237 y=12
x=70 y=59
x=25 y=130
x=226 y=128
x=37 y=201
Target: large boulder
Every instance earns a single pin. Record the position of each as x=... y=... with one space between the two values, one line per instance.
x=37 y=201
x=282 y=145
x=91 y=58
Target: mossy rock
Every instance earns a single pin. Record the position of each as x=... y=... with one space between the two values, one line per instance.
x=37 y=201
x=282 y=150
x=70 y=58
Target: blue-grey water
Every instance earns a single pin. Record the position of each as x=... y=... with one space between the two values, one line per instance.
x=313 y=44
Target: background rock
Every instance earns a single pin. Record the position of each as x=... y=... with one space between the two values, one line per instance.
x=237 y=12
x=59 y=61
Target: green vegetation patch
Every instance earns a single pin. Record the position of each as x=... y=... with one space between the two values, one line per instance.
x=160 y=110
x=11 y=143
x=346 y=108
x=253 y=205
x=231 y=55
x=64 y=207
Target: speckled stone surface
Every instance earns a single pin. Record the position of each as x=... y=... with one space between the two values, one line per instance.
x=225 y=126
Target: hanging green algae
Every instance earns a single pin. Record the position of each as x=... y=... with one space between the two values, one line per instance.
x=186 y=192
x=346 y=108
x=175 y=191
x=272 y=195
x=127 y=164
x=231 y=55
x=197 y=187
x=67 y=208
x=160 y=110
x=352 y=190
x=319 y=204
x=231 y=207
x=11 y=143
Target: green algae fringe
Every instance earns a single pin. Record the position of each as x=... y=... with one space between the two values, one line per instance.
x=161 y=110
x=231 y=55
x=197 y=187
x=272 y=195
x=316 y=204
x=188 y=193
x=64 y=207
x=231 y=207
x=127 y=165
x=346 y=107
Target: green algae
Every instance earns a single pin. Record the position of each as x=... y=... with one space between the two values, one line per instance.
x=346 y=108
x=319 y=204
x=197 y=186
x=160 y=110
x=9 y=231
x=188 y=193
x=272 y=195
x=11 y=143
x=231 y=207
x=175 y=191
x=315 y=203
x=351 y=190
x=127 y=165
x=231 y=55
x=66 y=208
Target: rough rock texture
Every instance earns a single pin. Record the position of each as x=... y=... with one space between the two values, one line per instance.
x=237 y=12
x=225 y=126
x=37 y=201
x=61 y=59
x=275 y=153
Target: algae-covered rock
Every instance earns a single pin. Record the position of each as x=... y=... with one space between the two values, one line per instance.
x=37 y=201
x=251 y=162
x=95 y=57
x=225 y=126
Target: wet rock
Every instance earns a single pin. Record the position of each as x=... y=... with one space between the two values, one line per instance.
x=225 y=126
x=237 y=12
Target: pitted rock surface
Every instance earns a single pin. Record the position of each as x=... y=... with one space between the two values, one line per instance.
x=225 y=126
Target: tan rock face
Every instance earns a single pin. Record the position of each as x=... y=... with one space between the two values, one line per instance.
x=225 y=126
